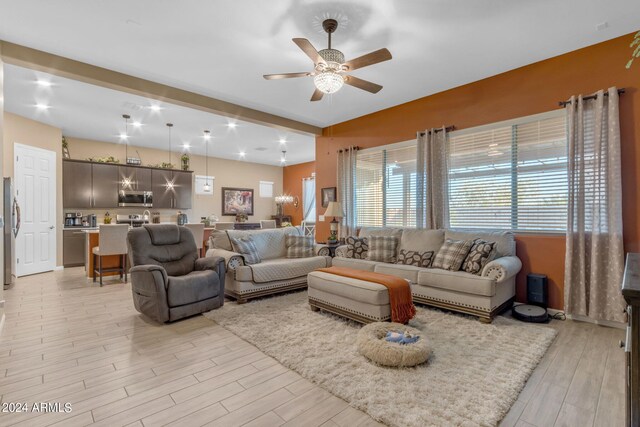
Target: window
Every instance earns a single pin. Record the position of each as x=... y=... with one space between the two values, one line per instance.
x=266 y=189
x=510 y=176
x=386 y=186
x=309 y=199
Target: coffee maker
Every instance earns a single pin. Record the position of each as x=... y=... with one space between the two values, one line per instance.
x=73 y=219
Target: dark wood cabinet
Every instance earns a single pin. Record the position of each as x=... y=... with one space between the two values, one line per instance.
x=104 y=183
x=96 y=185
x=133 y=178
x=172 y=189
x=183 y=189
x=73 y=248
x=76 y=185
x=281 y=218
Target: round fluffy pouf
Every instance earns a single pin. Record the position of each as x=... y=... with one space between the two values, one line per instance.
x=372 y=345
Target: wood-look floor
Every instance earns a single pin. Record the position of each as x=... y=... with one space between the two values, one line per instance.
x=67 y=340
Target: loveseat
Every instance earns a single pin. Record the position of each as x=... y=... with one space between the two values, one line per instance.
x=274 y=273
x=485 y=294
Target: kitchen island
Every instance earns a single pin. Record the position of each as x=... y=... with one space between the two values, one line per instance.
x=92 y=239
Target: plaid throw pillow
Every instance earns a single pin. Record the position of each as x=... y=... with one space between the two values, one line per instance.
x=299 y=246
x=357 y=248
x=419 y=259
x=480 y=254
x=452 y=254
x=245 y=247
x=382 y=248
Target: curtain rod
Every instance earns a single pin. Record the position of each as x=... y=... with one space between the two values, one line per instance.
x=355 y=148
x=584 y=98
x=448 y=129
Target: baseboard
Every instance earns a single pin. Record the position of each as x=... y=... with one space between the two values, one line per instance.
x=578 y=318
x=59 y=268
x=2 y=320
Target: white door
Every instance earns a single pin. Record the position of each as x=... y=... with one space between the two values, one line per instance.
x=35 y=183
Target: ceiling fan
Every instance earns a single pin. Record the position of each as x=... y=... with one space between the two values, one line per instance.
x=330 y=68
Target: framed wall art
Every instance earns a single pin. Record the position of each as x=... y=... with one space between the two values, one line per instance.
x=237 y=200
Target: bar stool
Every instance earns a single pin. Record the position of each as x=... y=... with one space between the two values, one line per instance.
x=113 y=241
x=197 y=229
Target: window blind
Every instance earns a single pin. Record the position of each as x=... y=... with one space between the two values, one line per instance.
x=510 y=177
x=386 y=186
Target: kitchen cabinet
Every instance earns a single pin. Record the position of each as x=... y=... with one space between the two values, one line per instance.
x=172 y=189
x=73 y=243
x=76 y=184
x=139 y=179
x=104 y=179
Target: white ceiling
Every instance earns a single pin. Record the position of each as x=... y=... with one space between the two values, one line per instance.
x=222 y=48
x=91 y=112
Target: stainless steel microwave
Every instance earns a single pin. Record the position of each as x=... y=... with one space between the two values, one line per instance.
x=128 y=198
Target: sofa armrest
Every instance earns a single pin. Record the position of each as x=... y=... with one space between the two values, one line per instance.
x=503 y=268
x=214 y=263
x=150 y=272
x=232 y=260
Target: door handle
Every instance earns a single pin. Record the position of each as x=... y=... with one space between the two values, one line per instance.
x=52 y=227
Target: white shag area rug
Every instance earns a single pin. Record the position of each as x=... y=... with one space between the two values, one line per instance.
x=472 y=377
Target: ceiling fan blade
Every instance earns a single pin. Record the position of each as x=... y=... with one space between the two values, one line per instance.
x=379 y=55
x=285 y=75
x=362 y=84
x=308 y=48
x=317 y=95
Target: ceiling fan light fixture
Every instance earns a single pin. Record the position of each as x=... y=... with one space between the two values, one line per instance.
x=328 y=81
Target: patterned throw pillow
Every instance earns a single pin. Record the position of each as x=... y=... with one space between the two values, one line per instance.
x=245 y=247
x=382 y=248
x=452 y=254
x=357 y=248
x=419 y=259
x=479 y=255
x=299 y=246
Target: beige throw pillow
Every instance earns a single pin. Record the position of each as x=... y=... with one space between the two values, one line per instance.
x=382 y=248
x=245 y=247
x=299 y=246
x=452 y=254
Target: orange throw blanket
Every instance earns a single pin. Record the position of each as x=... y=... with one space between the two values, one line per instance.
x=402 y=308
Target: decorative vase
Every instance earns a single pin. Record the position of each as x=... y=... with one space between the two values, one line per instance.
x=185 y=163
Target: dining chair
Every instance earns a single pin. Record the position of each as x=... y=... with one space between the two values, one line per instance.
x=267 y=223
x=225 y=225
x=197 y=229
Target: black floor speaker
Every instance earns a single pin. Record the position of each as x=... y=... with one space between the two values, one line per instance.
x=537 y=300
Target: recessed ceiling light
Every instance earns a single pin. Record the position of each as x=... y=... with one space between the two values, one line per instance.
x=41 y=106
x=124 y=136
x=186 y=146
x=43 y=83
x=155 y=107
x=283 y=140
x=136 y=124
x=232 y=125
x=242 y=154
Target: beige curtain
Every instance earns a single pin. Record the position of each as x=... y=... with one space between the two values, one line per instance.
x=431 y=180
x=346 y=190
x=594 y=255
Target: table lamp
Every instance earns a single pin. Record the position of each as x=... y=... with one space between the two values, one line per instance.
x=334 y=210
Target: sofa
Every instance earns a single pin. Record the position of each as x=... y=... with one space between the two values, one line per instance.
x=275 y=272
x=168 y=279
x=484 y=295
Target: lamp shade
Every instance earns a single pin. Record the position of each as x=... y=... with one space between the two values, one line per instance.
x=334 y=209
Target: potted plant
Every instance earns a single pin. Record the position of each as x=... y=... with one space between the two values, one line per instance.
x=185 y=162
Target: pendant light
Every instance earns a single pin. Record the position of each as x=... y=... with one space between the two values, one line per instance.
x=125 y=136
x=207 y=136
x=170 y=183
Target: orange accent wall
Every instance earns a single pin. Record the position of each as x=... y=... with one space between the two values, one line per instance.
x=292 y=184
x=532 y=89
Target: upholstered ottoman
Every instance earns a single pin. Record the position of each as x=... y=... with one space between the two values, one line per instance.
x=355 y=299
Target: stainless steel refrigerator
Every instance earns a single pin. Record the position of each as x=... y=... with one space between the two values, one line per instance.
x=11 y=214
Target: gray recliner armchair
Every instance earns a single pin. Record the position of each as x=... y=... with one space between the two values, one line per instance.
x=168 y=280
